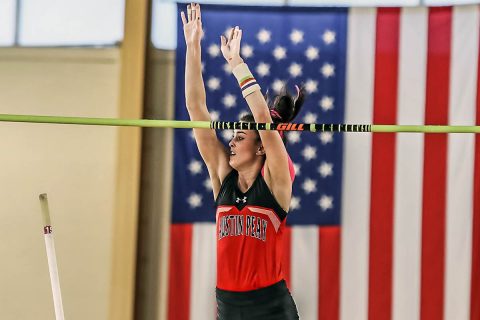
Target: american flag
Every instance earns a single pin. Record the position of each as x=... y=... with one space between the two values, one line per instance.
x=381 y=226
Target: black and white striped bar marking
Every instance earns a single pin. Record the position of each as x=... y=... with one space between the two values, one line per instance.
x=291 y=126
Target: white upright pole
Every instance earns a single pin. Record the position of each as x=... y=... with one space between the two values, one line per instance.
x=52 y=259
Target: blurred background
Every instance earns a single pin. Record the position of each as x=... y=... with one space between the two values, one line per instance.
x=126 y=203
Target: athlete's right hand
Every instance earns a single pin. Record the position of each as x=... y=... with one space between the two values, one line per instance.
x=192 y=24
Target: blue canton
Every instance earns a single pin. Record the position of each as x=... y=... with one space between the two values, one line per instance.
x=281 y=45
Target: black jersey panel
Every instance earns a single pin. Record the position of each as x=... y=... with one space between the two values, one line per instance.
x=258 y=195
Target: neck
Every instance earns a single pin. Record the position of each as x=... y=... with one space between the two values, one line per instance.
x=247 y=176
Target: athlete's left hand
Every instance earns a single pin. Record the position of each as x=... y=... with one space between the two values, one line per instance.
x=231 y=47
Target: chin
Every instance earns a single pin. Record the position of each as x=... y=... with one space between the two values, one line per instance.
x=231 y=162
x=234 y=163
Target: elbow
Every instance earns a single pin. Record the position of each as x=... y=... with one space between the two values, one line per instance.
x=192 y=105
x=190 y=99
x=262 y=116
x=194 y=101
x=188 y=103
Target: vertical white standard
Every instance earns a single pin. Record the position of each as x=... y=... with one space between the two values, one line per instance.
x=52 y=260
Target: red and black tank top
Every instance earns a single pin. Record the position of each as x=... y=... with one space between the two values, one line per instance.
x=250 y=229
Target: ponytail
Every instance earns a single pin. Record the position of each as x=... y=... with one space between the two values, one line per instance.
x=284 y=108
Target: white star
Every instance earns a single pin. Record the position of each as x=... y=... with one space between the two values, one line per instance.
x=227 y=69
x=295 y=69
x=325 y=169
x=310 y=118
x=312 y=53
x=325 y=202
x=264 y=36
x=328 y=70
x=297 y=167
x=279 y=53
x=326 y=137
x=207 y=183
x=311 y=86
x=328 y=37
x=278 y=85
x=247 y=51
x=309 y=185
x=309 y=152
x=227 y=135
x=229 y=101
x=213 y=83
x=214 y=115
x=192 y=135
x=293 y=136
x=194 y=200
x=214 y=50
x=195 y=167
x=326 y=103
x=263 y=69
x=296 y=36
x=295 y=203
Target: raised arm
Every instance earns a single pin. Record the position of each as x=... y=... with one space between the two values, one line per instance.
x=214 y=154
x=276 y=164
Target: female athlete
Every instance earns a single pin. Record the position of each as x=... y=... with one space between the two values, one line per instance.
x=252 y=186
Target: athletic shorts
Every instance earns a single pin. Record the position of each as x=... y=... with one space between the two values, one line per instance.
x=270 y=303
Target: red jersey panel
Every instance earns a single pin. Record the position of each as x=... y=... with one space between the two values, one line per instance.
x=249 y=236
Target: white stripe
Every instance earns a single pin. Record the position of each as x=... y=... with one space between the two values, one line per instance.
x=463 y=81
x=357 y=165
x=304 y=272
x=409 y=165
x=270 y=214
x=203 y=273
x=54 y=278
x=221 y=209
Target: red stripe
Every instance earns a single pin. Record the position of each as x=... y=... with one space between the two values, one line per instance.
x=329 y=273
x=435 y=164
x=179 y=272
x=475 y=281
x=244 y=82
x=287 y=254
x=383 y=164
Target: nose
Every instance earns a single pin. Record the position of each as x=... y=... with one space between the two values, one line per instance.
x=231 y=143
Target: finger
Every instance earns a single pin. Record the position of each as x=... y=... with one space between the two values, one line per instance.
x=194 y=12
x=184 y=20
x=230 y=36
x=239 y=36
x=235 y=35
x=223 y=41
x=199 y=12
x=189 y=13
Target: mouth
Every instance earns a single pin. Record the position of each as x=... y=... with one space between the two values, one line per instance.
x=232 y=153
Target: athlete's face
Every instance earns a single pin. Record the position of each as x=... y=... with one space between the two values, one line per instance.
x=245 y=148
